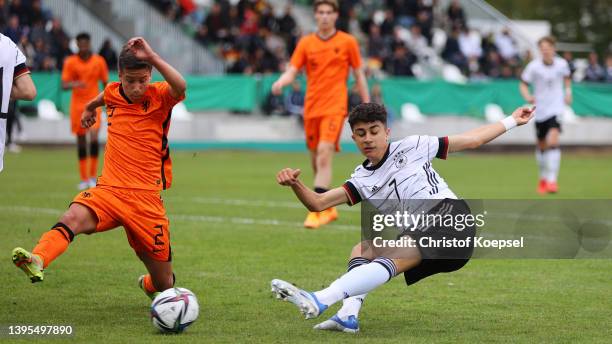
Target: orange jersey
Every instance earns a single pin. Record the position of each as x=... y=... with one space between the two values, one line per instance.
x=137 y=154
x=327 y=65
x=91 y=72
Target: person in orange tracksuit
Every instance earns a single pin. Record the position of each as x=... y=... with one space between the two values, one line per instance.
x=82 y=72
x=137 y=167
x=326 y=56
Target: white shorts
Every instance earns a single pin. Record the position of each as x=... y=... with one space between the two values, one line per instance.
x=2 y=141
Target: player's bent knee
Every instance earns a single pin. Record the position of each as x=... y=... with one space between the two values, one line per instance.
x=363 y=250
x=79 y=219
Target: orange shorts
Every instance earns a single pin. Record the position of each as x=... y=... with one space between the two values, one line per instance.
x=140 y=212
x=323 y=129
x=76 y=111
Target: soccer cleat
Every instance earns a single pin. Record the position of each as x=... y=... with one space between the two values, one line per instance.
x=306 y=301
x=83 y=185
x=91 y=182
x=312 y=220
x=542 y=187
x=141 y=285
x=350 y=325
x=328 y=215
x=552 y=187
x=29 y=263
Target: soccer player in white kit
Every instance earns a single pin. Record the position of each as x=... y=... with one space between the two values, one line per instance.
x=552 y=90
x=15 y=83
x=398 y=171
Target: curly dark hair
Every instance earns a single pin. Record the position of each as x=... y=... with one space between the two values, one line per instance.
x=127 y=60
x=368 y=112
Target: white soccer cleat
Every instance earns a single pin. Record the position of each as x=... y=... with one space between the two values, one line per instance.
x=350 y=325
x=83 y=185
x=92 y=182
x=306 y=301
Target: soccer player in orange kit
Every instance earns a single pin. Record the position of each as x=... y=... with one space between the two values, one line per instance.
x=82 y=72
x=326 y=56
x=136 y=168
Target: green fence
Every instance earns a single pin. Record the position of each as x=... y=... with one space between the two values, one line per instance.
x=246 y=93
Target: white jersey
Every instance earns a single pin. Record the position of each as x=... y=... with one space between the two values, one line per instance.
x=547 y=81
x=12 y=65
x=404 y=174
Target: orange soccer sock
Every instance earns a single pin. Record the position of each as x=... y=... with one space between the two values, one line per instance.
x=53 y=243
x=83 y=168
x=93 y=166
x=147 y=284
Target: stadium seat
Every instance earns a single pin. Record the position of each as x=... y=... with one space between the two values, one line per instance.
x=412 y=113
x=48 y=111
x=569 y=116
x=494 y=113
x=180 y=113
x=451 y=73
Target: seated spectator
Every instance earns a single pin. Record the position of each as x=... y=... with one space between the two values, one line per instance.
x=506 y=45
x=416 y=41
x=401 y=62
x=215 y=24
x=471 y=48
x=387 y=28
x=493 y=65
x=294 y=103
x=13 y=30
x=424 y=19
x=109 y=54
x=452 y=52
x=27 y=48
x=570 y=61
x=594 y=72
x=377 y=46
x=456 y=15
x=609 y=68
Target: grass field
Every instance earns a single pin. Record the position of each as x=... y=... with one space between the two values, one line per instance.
x=233 y=230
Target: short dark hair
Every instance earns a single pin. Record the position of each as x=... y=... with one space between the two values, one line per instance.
x=127 y=60
x=548 y=39
x=332 y=3
x=83 y=35
x=367 y=113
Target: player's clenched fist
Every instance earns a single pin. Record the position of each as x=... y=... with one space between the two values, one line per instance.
x=88 y=118
x=522 y=115
x=288 y=176
x=141 y=49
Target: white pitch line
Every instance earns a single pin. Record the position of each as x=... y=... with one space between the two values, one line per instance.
x=194 y=218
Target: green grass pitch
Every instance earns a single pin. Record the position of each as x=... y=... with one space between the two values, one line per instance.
x=233 y=230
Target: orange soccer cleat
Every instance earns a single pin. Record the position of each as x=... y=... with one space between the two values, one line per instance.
x=542 y=187
x=328 y=215
x=312 y=220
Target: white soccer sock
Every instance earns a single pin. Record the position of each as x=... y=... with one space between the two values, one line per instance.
x=541 y=159
x=553 y=162
x=359 y=280
x=351 y=306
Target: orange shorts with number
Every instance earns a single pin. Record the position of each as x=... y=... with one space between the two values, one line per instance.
x=76 y=111
x=140 y=212
x=323 y=129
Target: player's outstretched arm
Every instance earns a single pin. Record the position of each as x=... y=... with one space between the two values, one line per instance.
x=88 y=118
x=23 y=88
x=285 y=79
x=312 y=201
x=481 y=135
x=143 y=51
